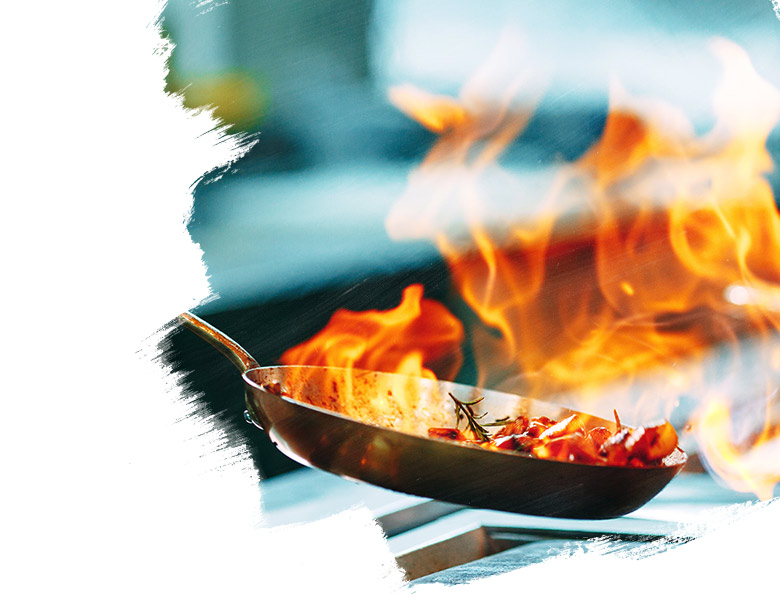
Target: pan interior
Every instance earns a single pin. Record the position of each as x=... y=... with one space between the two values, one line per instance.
x=407 y=404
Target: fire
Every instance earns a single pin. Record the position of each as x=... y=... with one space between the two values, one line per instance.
x=418 y=338
x=756 y=471
x=643 y=276
x=436 y=112
x=626 y=267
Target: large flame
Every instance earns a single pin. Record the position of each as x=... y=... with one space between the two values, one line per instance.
x=644 y=276
x=635 y=264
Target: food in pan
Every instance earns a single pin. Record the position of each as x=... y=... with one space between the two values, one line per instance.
x=568 y=439
x=565 y=440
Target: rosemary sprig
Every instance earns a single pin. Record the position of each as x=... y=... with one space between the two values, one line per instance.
x=497 y=422
x=464 y=409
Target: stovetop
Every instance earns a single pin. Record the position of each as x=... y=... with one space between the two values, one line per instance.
x=444 y=543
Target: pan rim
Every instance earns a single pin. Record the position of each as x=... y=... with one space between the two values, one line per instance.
x=676 y=460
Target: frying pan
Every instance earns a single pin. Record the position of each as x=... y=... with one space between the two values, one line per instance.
x=315 y=426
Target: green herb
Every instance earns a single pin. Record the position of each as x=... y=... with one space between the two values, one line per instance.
x=497 y=422
x=464 y=409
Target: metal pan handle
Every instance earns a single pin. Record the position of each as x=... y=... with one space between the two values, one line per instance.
x=235 y=353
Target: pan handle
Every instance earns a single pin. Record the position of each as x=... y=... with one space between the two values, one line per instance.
x=235 y=353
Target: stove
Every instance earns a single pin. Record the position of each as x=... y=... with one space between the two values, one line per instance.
x=436 y=542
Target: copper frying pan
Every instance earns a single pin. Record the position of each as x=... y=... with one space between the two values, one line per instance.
x=315 y=428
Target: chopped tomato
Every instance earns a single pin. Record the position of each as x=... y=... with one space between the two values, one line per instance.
x=446 y=433
x=570 y=440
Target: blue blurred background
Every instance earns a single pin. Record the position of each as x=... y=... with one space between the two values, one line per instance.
x=305 y=207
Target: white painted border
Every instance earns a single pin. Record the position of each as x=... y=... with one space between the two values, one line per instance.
x=111 y=488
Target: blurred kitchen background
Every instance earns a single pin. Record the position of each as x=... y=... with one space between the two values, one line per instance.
x=295 y=228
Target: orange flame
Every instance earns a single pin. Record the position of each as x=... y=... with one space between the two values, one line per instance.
x=757 y=470
x=435 y=112
x=638 y=262
x=419 y=337
x=644 y=273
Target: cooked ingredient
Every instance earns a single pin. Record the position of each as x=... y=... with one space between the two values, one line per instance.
x=542 y=437
x=274 y=387
x=565 y=440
